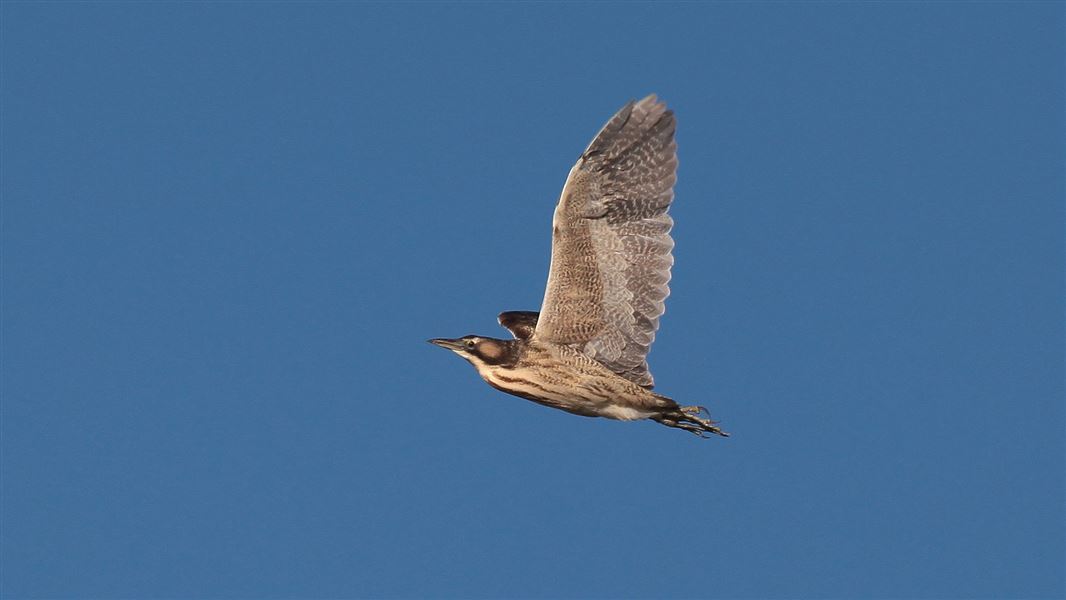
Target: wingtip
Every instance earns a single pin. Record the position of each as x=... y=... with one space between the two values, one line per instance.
x=651 y=100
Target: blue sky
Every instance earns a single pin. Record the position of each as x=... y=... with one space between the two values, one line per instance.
x=228 y=230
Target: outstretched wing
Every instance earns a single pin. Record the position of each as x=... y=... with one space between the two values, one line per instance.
x=611 y=245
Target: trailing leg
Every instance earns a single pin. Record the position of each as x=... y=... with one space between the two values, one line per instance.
x=690 y=419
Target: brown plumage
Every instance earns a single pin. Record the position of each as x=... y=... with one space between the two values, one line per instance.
x=585 y=352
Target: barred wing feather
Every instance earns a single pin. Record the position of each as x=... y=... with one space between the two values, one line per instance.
x=611 y=244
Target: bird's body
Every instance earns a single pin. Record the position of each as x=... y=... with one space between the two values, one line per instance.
x=585 y=351
x=561 y=377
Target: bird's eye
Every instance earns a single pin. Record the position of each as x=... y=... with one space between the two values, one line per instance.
x=470 y=344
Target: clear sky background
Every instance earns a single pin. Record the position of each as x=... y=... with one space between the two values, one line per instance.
x=228 y=230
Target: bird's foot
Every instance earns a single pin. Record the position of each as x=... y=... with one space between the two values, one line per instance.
x=691 y=419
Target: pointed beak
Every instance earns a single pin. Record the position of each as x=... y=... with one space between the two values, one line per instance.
x=446 y=343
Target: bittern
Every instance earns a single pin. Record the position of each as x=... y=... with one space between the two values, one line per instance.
x=586 y=351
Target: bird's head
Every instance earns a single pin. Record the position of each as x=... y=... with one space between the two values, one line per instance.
x=480 y=350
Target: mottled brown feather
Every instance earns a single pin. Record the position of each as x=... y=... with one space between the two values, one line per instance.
x=521 y=323
x=611 y=244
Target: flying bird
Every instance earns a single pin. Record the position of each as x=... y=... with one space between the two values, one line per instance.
x=586 y=351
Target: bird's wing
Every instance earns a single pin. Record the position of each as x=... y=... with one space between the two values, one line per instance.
x=611 y=245
x=521 y=323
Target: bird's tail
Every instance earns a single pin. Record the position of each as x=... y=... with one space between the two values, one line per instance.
x=690 y=418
